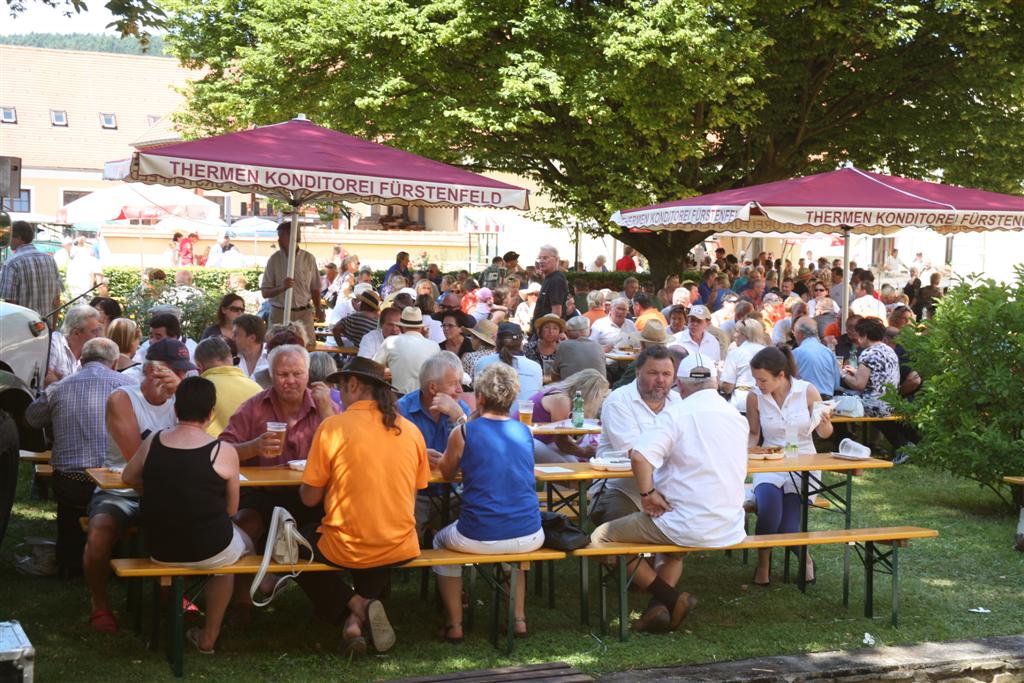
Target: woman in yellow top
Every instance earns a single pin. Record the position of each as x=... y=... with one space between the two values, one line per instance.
x=365 y=465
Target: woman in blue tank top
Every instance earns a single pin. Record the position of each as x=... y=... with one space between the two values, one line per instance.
x=499 y=511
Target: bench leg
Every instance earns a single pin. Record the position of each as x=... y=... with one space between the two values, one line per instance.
x=154 y=632
x=135 y=590
x=176 y=634
x=801 y=573
x=538 y=586
x=602 y=571
x=846 y=547
x=471 y=598
x=869 y=579
x=895 y=562
x=495 y=603
x=510 y=623
x=551 y=585
x=584 y=592
x=623 y=598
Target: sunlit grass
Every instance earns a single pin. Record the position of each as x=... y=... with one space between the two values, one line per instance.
x=970 y=565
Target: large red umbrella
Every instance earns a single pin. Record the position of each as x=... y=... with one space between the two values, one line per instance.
x=848 y=200
x=299 y=162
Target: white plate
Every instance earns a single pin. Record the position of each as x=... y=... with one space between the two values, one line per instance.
x=611 y=465
x=298 y=465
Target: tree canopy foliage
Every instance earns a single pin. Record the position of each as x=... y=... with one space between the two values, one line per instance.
x=614 y=104
x=131 y=17
x=87 y=42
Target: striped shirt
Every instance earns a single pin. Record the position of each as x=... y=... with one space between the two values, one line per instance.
x=30 y=278
x=76 y=409
x=355 y=327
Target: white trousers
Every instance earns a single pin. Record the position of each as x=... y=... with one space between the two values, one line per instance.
x=450 y=538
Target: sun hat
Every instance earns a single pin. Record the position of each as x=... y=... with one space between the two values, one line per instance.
x=654 y=333
x=577 y=323
x=485 y=330
x=360 y=367
x=172 y=352
x=361 y=287
x=696 y=366
x=412 y=318
x=700 y=312
x=368 y=298
x=549 y=318
x=532 y=288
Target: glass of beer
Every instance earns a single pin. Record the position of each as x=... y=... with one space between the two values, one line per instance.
x=526 y=412
x=276 y=446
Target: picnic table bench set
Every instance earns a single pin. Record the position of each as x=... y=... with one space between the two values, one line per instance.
x=563 y=488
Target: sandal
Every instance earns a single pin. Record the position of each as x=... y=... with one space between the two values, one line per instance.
x=448 y=639
x=381 y=634
x=102 y=621
x=353 y=647
x=193 y=636
x=517 y=633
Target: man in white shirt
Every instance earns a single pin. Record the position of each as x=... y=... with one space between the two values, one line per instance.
x=610 y=330
x=696 y=338
x=406 y=353
x=866 y=305
x=690 y=469
x=372 y=341
x=81 y=323
x=628 y=413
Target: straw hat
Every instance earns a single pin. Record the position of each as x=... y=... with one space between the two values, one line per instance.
x=654 y=333
x=485 y=330
x=368 y=299
x=532 y=288
x=412 y=318
x=549 y=318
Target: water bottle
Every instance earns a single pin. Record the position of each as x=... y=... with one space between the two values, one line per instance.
x=852 y=360
x=791 y=449
x=577 y=410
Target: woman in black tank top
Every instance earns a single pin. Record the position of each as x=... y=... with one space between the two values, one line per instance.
x=189 y=492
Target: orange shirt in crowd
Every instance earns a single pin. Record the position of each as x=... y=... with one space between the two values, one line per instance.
x=595 y=315
x=832 y=330
x=648 y=315
x=371 y=475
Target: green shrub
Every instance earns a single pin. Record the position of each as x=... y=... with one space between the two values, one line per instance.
x=123 y=281
x=971 y=356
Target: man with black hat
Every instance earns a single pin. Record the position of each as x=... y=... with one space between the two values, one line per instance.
x=133 y=413
x=406 y=353
x=305 y=284
x=365 y=467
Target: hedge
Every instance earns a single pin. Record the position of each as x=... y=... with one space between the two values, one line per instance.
x=124 y=281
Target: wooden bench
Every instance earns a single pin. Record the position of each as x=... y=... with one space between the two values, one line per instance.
x=1017 y=484
x=624 y=553
x=550 y=672
x=44 y=469
x=30 y=456
x=174 y=577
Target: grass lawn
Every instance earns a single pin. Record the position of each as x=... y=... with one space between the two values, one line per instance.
x=970 y=565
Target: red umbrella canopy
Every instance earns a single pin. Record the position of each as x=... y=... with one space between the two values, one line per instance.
x=300 y=162
x=849 y=198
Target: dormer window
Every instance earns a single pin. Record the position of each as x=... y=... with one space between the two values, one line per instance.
x=59 y=118
x=108 y=121
x=8 y=115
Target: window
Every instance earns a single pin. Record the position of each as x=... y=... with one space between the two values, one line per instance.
x=108 y=121
x=22 y=203
x=58 y=117
x=8 y=115
x=68 y=196
x=153 y=119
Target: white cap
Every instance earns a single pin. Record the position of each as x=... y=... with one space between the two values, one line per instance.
x=697 y=360
x=360 y=288
x=407 y=290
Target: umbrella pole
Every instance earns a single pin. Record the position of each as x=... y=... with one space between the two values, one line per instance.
x=845 y=303
x=293 y=245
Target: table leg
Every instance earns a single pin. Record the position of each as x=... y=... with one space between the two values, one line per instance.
x=846 y=547
x=804 y=510
x=584 y=592
x=584 y=513
x=446 y=495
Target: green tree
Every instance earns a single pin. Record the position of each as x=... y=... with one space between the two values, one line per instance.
x=609 y=105
x=131 y=17
x=971 y=355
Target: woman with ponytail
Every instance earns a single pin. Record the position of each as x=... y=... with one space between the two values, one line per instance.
x=780 y=403
x=510 y=352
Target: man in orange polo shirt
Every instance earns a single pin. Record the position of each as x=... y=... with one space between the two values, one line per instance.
x=646 y=311
x=365 y=465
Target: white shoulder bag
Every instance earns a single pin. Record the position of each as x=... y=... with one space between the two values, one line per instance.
x=849 y=406
x=283 y=542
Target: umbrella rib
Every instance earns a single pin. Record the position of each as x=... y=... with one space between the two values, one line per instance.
x=896 y=189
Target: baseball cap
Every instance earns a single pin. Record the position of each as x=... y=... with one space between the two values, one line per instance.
x=697 y=366
x=172 y=352
x=577 y=323
x=701 y=312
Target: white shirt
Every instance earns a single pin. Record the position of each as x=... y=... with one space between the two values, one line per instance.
x=435 y=332
x=370 y=344
x=624 y=417
x=523 y=316
x=140 y=355
x=737 y=372
x=698 y=448
x=405 y=354
x=606 y=332
x=868 y=306
x=531 y=376
x=342 y=309
x=261 y=364
x=774 y=419
x=708 y=346
x=781 y=330
x=62 y=360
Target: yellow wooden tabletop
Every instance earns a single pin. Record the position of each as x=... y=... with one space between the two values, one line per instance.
x=346 y=350
x=545 y=429
x=842 y=419
x=254 y=476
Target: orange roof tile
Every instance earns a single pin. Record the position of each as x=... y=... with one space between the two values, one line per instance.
x=84 y=84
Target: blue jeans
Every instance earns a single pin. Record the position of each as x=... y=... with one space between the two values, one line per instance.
x=777 y=512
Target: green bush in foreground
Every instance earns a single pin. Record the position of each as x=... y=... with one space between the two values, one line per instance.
x=971 y=356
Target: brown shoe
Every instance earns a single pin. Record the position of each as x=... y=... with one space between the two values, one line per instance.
x=655 y=619
x=1019 y=543
x=684 y=605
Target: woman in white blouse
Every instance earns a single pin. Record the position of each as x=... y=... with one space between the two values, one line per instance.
x=779 y=403
x=736 y=379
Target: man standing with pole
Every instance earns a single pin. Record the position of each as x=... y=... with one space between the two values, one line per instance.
x=295 y=296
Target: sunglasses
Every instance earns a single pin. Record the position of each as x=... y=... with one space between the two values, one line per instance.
x=236 y=309
x=819 y=290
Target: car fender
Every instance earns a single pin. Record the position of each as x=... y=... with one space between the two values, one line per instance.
x=15 y=396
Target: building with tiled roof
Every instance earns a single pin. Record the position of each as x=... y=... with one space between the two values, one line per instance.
x=65 y=113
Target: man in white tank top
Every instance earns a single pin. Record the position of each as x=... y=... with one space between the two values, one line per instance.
x=133 y=413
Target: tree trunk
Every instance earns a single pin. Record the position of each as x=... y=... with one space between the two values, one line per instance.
x=665 y=250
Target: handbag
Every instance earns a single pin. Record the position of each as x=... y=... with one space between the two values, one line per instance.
x=849 y=406
x=561 y=534
x=283 y=547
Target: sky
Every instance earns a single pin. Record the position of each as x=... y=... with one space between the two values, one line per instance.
x=38 y=18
